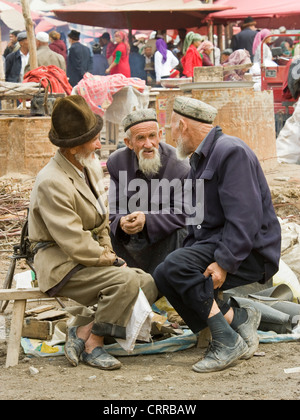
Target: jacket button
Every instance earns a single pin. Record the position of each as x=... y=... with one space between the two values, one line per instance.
x=198 y=226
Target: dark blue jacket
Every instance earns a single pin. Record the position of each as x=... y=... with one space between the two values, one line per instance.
x=238 y=211
x=137 y=65
x=158 y=225
x=79 y=62
x=13 y=64
x=244 y=39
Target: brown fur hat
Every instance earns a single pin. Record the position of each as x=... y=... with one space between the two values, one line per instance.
x=72 y=122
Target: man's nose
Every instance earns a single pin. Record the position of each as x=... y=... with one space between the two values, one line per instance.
x=148 y=143
x=97 y=144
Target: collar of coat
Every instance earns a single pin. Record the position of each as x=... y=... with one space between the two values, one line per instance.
x=100 y=203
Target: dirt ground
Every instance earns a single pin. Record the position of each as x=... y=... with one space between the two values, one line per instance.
x=167 y=376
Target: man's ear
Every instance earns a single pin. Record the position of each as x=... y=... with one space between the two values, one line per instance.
x=73 y=150
x=160 y=133
x=183 y=126
x=127 y=141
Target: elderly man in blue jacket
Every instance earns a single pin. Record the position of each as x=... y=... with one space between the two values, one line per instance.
x=146 y=194
x=235 y=241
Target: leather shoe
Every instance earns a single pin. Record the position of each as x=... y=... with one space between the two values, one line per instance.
x=101 y=359
x=219 y=356
x=248 y=330
x=74 y=346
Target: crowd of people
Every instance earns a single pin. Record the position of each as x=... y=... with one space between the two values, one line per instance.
x=148 y=58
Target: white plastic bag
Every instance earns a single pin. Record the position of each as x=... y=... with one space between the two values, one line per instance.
x=288 y=140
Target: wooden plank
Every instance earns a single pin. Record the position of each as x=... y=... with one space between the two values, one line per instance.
x=52 y=314
x=14 y=340
x=20 y=294
x=39 y=309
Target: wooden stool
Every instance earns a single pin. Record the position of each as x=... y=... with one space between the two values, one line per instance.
x=19 y=296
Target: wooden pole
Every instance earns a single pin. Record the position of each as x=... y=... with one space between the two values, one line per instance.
x=30 y=34
x=2 y=76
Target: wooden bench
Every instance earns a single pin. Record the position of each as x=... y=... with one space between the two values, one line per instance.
x=19 y=297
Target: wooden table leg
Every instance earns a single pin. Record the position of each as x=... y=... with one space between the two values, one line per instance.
x=14 y=340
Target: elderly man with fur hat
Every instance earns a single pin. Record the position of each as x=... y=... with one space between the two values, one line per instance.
x=69 y=232
x=234 y=241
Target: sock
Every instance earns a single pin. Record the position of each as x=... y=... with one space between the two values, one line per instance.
x=221 y=331
x=240 y=316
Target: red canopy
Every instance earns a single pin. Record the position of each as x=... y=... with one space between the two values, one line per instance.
x=268 y=13
x=138 y=14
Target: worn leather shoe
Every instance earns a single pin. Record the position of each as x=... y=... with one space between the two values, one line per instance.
x=219 y=356
x=101 y=359
x=74 y=346
x=248 y=330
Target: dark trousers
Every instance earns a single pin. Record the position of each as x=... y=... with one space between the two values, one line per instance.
x=139 y=253
x=180 y=278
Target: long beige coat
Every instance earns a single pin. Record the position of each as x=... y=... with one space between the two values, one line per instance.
x=63 y=211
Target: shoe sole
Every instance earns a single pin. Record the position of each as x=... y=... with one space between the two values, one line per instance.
x=103 y=368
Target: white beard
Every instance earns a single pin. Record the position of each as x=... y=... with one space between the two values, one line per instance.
x=91 y=161
x=150 y=166
x=180 y=151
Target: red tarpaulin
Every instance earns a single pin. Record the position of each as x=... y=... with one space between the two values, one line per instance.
x=268 y=13
x=138 y=14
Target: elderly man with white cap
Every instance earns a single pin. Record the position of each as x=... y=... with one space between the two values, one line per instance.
x=146 y=224
x=45 y=56
x=235 y=241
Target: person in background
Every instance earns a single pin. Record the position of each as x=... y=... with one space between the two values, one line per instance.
x=225 y=55
x=149 y=65
x=100 y=63
x=256 y=49
x=245 y=38
x=79 y=60
x=57 y=45
x=107 y=46
x=191 y=56
x=13 y=44
x=137 y=63
x=205 y=50
x=164 y=61
x=16 y=62
x=45 y=56
x=120 y=63
x=280 y=39
x=296 y=48
x=238 y=57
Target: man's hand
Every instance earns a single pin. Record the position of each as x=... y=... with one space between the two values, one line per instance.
x=217 y=273
x=133 y=223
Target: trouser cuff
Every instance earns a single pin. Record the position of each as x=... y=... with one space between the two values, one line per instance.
x=112 y=330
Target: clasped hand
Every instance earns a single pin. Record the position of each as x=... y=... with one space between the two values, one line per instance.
x=133 y=223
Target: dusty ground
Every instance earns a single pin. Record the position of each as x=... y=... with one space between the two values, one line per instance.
x=166 y=376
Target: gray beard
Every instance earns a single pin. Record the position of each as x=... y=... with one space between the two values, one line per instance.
x=150 y=166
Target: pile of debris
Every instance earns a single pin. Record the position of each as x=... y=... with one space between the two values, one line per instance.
x=14 y=201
